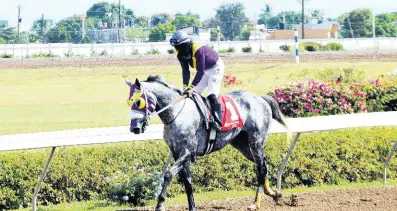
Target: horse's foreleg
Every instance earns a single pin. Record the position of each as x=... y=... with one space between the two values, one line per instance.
x=187 y=180
x=176 y=168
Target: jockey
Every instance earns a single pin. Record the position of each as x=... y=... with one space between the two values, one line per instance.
x=210 y=69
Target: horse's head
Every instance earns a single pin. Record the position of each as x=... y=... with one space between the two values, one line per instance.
x=142 y=103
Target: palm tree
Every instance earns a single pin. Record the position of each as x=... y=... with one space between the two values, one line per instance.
x=266 y=14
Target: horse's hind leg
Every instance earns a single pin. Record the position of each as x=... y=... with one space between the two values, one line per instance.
x=252 y=151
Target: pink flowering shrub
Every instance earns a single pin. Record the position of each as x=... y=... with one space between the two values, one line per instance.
x=381 y=94
x=318 y=99
x=229 y=80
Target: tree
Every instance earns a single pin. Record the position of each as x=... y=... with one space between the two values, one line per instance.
x=211 y=22
x=7 y=33
x=136 y=33
x=357 y=23
x=2 y=40
x=66 y=30
x=214 y=35
x=141 y=22
x=317 y=13
x=93 y=23
x=186 y=20
x=40 y=28
x=232 y=19
x=291 y=17
x=245 y=34
x=266 y=15
x=86 y=39
x=158 y=33
x=385 y=25
x=160 y=18
x=109 y=13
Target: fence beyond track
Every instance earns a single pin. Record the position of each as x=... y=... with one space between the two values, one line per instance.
x=127 y=49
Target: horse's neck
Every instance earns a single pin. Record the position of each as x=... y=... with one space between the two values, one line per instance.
x=165 y=96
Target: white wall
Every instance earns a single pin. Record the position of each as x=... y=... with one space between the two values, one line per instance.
x=125 y=49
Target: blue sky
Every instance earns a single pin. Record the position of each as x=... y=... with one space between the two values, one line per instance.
x=58 y=9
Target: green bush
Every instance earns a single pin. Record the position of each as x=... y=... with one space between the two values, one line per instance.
x=44 y=55
x=135 y=52
x=6 y=55
x=346 y=75
x=285 y=48
x=247 y=49
x=69 y=54
x=309 y=46
x=333 y=47
x=229 y=50
x=82 y=173
x=153 y=51
x=171 y=51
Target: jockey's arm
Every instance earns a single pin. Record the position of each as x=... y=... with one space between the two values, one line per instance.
x=185 y=72
x=200 y=67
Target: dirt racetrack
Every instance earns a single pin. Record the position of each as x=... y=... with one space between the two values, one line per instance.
x=360 y=199
x=170 y=59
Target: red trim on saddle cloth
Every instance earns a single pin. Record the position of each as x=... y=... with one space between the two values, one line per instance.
x=230 y=114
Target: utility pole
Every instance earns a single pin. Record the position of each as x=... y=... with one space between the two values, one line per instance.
x=119 y=21
x=19 y=16
x=42 y=27
x=351 y=30
x=303 y=19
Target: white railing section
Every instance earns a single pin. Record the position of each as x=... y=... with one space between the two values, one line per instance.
x=155 y=132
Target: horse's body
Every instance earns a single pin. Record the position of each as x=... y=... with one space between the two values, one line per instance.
x=186 y=135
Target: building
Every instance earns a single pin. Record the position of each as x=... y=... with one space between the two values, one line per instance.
x=200 y=34
x=322 y=30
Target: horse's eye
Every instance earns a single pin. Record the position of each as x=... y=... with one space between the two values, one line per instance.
x=140 y=103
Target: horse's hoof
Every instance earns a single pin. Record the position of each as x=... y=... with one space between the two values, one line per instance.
x=277 y=194
x=252 y=207
x=160 y=208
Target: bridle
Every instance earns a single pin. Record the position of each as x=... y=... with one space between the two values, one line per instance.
x=149 y=114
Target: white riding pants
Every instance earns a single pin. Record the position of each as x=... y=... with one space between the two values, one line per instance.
x=212 y=79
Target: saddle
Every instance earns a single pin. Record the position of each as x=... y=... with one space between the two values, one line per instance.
x=230 y=116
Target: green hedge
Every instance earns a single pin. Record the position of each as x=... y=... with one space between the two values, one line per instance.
x=79 y=173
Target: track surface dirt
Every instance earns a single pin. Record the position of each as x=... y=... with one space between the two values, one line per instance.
x=170 y=60
x=360 y=199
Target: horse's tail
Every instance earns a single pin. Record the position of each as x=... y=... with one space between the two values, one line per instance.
x=277 y=115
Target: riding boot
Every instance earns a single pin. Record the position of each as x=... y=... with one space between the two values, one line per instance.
x=217 y=114
x=216 y=111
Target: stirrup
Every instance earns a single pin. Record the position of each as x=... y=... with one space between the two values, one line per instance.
x=216 y=125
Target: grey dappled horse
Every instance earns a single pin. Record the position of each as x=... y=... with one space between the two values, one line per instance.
x=186 y=135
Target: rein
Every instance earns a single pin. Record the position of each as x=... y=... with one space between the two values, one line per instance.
x=167 y=107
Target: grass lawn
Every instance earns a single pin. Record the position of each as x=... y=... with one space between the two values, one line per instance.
x=202 y=197
x=34 y=100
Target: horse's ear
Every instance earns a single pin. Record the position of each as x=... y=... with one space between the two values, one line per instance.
x=128 y=82
x=138 y=83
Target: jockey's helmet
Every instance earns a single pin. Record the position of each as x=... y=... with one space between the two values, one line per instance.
x=182 y=43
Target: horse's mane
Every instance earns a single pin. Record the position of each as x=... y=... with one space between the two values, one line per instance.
x=160 y=80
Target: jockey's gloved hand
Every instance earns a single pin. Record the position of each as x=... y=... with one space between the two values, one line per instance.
x=188 y=90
